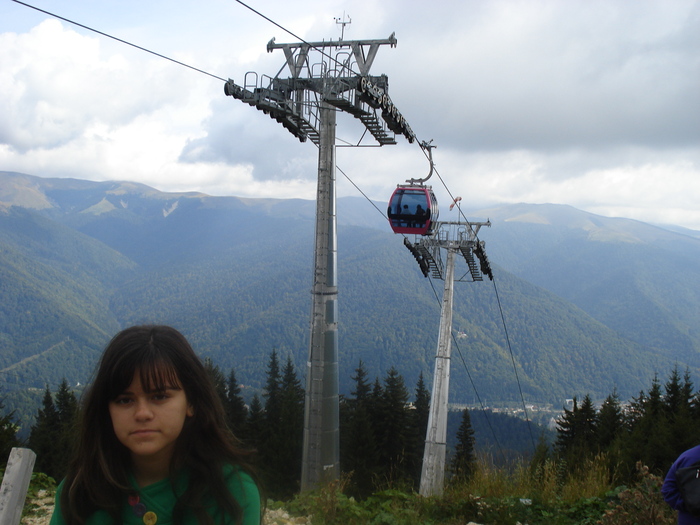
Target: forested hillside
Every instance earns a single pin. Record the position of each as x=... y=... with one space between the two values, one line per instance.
x=588 y=309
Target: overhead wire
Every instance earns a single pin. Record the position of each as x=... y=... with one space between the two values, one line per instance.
x=471 y=381
x=500 y=308
x=423 y=148
x=119 y=40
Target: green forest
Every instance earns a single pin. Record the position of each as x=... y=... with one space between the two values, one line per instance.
x=581 y=474
x=583 y=313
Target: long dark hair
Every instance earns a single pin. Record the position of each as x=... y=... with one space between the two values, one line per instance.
x=98 y=476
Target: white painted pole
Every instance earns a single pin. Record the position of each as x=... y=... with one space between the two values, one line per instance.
x=15 y=484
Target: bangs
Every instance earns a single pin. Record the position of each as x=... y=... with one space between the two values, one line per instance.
x=155 y=375
x=159 y=377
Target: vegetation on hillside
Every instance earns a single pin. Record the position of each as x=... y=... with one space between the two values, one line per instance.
x=71 y=278
x=605 y=465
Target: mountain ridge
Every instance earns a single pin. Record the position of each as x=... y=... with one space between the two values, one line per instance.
x=585 y=310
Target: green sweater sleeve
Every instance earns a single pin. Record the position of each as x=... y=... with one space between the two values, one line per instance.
x=57 y=517
x=246 y=493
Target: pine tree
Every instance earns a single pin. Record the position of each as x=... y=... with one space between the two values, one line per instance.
x=464 y=460
x=362 y=390
x=609 y=424
x=275 y=449
x=677 y=404
x=8 y=433
x=417 y=432
x=236 y=411
x=255 y=422
x=576 y=433
x=44 y=435
x=67 y=410
x=289 y=433
x=649 y=439
x=217 y=378
x=358 y=446
x=272 y=388
x=393 y=431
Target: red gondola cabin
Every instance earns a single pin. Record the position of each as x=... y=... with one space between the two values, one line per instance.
x=413 y=209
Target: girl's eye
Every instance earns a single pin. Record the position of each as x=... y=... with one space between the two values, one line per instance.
x=122 y=400
x=161 y=396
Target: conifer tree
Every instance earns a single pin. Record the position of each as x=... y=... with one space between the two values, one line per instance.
x=393 y=430
x=610 y=423
x=44 y=435
x=290 y=431
x=67 y=410
x=8 y=433
x=358 y=452
x=272 y=388
x=255 y=422
x=217 y=378
x=677 y=403
x=417 y=432
x=281 y=448
x=649 y=439
x=236 y=410
x=464 y=460
x=576 y=433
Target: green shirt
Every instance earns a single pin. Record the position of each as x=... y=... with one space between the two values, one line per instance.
x=159 y=498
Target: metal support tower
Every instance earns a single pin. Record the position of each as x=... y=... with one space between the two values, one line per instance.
x=432 y=477
x=306 y=104
x=321 y=460
x=454 y=237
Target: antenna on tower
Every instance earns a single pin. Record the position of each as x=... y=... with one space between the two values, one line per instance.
x=343 y=23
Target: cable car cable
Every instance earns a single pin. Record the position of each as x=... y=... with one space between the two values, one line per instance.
x=515 y=368
x=120 y=40
x=422 y=145
x=503 y=321
x=471 y=380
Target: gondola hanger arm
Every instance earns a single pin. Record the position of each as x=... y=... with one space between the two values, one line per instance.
x=429 y=147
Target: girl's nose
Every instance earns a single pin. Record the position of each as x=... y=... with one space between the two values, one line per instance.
x=143 y=411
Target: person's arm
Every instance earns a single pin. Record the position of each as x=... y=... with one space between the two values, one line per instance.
x=245 y=490
x=57 y=516
x=669 y=490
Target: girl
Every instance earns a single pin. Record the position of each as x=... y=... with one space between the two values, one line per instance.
x=153 y=444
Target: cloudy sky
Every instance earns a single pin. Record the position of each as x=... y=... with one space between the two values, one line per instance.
x=595 y=104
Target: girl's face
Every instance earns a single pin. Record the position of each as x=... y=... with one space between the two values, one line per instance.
x=148 y=423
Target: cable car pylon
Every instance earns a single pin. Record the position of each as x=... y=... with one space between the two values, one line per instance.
x=306 y=104
x=456 y=238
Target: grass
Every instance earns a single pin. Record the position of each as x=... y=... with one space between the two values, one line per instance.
x=493 y=495
x=518 y=494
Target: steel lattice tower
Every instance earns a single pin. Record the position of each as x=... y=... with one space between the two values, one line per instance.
x=306 y=104
x=456 y=238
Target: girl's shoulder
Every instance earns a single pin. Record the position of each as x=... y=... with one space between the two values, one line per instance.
x=244 y=489
x=236 y=476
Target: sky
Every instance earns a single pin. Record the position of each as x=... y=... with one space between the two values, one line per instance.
x=594 y=104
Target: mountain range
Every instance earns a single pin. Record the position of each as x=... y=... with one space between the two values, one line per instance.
x=580 y=303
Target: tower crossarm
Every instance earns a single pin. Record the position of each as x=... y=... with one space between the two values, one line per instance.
x=281 y=103
x=326 y=72
x=363 y=52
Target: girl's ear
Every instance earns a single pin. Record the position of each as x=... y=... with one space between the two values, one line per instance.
x=190 y=410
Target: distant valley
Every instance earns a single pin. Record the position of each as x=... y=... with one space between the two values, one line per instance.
x=591 y=303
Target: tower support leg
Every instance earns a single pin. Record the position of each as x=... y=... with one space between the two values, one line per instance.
x=321 y=456
x=432 y=480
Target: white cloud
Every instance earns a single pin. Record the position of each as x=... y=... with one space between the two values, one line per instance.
x=592 y=104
